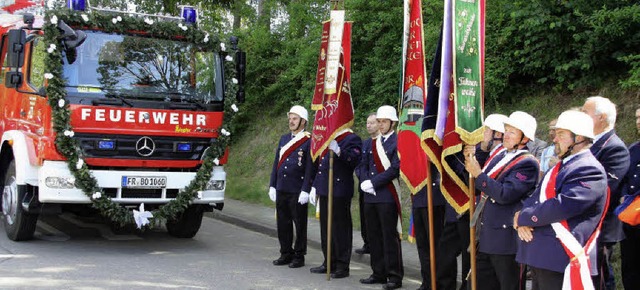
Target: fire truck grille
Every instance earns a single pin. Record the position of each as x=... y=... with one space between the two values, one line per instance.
x=134 y=147
x=140 y=193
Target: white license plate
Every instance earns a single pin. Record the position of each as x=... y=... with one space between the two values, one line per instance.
x=144 y=181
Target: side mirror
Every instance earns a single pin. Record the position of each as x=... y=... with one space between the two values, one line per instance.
x=241 y=67
x=15 y=48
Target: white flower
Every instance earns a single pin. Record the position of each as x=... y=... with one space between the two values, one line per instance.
x=234 y=81
x=79 y=164
x=54 y=20
x=96 y=195
x=141 y=217
x=206 y=38
x=69 y=133
x=148 y=21
x=223 y=46
x=200 y=194
x=234 y=108
x=216 y=161
x=225 y=132
x=61 y=103
x=48 y=76
x=52 y=48
x=228 y=58
x=119 y=18
x=85 y=17
x=184 y=27
x=114 y=20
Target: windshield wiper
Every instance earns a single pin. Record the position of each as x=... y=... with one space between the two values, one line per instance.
x=119 y=97
x=187 y=98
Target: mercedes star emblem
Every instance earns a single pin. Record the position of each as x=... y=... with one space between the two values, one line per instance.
x=145 y=146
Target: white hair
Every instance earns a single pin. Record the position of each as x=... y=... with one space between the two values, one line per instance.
x=605 y=106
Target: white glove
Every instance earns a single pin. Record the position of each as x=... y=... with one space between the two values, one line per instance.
x=272 y=194
x=303 y=198
x=333 y=146
x=367 y=187
x=312 y=196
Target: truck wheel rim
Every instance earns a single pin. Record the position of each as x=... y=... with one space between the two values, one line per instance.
x=10 y=201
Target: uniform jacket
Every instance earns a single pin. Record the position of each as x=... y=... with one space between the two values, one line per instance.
x=631 y=182
x=361 y=169
x=614 y=157
x=505 y=195
x=343 y=166
x=456 y=162
x=581 y=188
x=381 y=180
x=296 y=172
x=419 y=199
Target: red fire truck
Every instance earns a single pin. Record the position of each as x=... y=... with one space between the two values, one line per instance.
x=144 y=111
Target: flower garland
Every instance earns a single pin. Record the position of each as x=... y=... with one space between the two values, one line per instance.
x=68 y=146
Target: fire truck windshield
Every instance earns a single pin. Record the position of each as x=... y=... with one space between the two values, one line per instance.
x=143 y=68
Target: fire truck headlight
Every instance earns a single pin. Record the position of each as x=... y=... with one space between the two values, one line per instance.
x=60 y=182
x=183 y=147
x=106 y=144
x=215 y=185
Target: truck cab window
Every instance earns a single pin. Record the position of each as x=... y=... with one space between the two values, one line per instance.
x=36 y=67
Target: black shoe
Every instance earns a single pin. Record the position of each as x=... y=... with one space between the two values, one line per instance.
x=340 y=274
x=373 y=280
x=297 y=263
x=363 y=251
x=283 y=260
x=392 y=285
x=322 y=269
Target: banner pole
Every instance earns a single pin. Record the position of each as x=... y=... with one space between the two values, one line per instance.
x=329 y=215
x=472 y=233
x=432 y=247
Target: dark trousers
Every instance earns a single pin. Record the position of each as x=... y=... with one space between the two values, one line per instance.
x=605 y=279
x=363 y=224
x=454 y=241
x=290 y=213
x=542 y=279
x=384 y=241
x=498 y=272
x=341 y=235
x=630 y=255
x=421 y=228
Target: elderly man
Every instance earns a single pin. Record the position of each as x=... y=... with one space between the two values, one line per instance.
x=612 y=153
x=548 y=156
x=508 y=176
x=561 y=220
x=289 y=188
x=382 y=203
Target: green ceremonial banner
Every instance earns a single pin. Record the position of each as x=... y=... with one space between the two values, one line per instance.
x=468 y=71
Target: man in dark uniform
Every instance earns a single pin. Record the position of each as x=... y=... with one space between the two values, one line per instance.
x=508 y=177
x=613 y=154
x=382 y=203
x=630 y=246
x=560 y=222
x=372 y=129
x=455 y=234
x=347 y=149
x=420 y=214
x=289 y=188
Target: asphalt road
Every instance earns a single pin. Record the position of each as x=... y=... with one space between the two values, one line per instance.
x=70 y=252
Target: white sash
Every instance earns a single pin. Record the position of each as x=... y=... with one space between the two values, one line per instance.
x=386 y=163
x=294 y=140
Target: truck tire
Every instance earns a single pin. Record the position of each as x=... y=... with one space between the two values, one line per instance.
x=186 y=225
x=18 y=224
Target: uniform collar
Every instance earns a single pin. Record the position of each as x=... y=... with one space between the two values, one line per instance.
x=564 y=161
x=597 y=137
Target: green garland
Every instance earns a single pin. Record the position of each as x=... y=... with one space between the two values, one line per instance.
x=68 y=146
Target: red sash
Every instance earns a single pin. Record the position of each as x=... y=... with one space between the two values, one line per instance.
x=577 y=275
x=292 y=148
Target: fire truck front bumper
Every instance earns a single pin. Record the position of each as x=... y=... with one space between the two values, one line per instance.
x=57 y=185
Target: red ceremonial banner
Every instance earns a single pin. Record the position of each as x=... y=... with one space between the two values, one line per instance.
x=334 y=112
